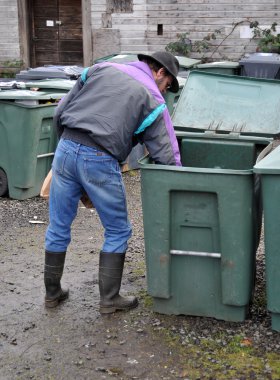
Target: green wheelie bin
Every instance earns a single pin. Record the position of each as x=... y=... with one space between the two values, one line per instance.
x=269 y=169
x=202 y=220
x=27 y=141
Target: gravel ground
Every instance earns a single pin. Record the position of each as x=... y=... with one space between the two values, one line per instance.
x=75 y=342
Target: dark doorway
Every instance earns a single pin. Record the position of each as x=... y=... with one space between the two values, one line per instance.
x=56 y=33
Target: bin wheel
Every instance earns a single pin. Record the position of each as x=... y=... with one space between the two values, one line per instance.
x=3 y=183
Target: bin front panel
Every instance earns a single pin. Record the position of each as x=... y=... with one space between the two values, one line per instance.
x=187 y=215
x=198 y=284
x=194 y=221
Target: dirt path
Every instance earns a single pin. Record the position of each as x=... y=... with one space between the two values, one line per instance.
x=74 y=341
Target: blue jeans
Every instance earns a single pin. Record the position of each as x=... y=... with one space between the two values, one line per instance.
x=77 y=167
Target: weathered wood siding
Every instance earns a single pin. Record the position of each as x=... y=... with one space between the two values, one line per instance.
x=152 y=24
x=115 y=32
x=9 y=36
x=199 y=17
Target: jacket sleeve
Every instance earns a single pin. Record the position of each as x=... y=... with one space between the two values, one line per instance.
x=63 y=104
x=161 y=141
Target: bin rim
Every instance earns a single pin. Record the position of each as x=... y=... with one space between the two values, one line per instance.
x=229 y=135
x=27 y=106
x=24 y=94
x=55 y=83
x=144 y=164
x=265 y=58
x=270 y=164
x=218 y=64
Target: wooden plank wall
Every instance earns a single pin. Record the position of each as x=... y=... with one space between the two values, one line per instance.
x=118 y=32
x=199 y=17
x=9 y=36
x=154 y=23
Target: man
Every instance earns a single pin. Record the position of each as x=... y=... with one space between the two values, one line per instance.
x=111 y=108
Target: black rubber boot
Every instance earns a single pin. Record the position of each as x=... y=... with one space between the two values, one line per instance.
x=110 y=277
x=54 y=264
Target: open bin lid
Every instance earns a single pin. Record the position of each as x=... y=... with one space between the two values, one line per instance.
x=50 y=71
x=187 y=62
x=29 y=95
x=269 y=164
x=223 y=103
x=219 y=64
x=118 y=58
x=60 y=84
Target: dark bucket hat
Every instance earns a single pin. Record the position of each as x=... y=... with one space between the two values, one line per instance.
x=169 y=62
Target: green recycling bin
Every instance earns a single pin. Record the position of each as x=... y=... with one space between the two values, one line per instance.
x=201 y=220
x=269 y=169
x=27 y=141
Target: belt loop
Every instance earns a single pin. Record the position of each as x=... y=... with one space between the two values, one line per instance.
x=77 y=148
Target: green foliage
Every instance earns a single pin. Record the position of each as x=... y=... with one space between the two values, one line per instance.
x=9 y=68
x=200 y=46
x=182 y=46
x=11 y=64
x=146 y=299
x=5 y=74
x=185 y=46
x=268 y=38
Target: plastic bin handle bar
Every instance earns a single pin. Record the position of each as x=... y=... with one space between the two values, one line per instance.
x=213 y=255
x=45 y=155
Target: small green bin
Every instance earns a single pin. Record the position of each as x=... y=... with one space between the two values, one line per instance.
x=202 y=220
x=220 y=67
x=269 y=169
x=186 y=64
x=27 y=141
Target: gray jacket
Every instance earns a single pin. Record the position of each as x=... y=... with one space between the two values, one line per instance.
x=115 y=106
